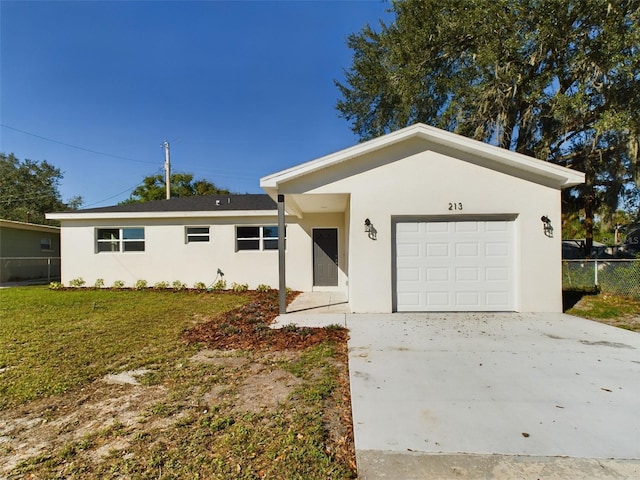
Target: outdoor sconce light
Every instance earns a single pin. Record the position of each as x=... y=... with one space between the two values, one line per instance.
x=369 y=229
x=546 y=226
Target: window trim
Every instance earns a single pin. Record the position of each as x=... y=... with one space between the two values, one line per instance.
x=120 y=240
x=189 y=237
x=261 y=238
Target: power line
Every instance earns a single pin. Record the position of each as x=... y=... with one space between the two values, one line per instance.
x=75 y=146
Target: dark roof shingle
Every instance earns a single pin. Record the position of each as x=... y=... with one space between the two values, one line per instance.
x=204 y=203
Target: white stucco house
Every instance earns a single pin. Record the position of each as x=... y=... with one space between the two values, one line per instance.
x=417 y=220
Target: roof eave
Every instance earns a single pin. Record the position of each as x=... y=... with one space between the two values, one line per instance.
x=145 y=215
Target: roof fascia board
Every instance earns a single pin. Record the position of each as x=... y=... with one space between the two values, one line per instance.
x=29 y=226
x=142 y=215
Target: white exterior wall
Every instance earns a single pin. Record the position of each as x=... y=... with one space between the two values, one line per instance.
x=167 y=256
x=421 y=183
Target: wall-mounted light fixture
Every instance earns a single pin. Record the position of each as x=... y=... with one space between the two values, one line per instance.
x=369 y=229
x=546 y=226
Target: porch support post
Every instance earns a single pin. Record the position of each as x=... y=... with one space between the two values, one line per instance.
x=282 y=289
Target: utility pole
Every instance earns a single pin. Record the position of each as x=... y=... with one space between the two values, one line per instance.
x=167 y=169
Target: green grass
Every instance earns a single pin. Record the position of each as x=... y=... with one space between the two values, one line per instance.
x=53 y=341
x=623 y=312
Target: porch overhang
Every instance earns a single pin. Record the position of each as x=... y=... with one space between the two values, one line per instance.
x=300 y=204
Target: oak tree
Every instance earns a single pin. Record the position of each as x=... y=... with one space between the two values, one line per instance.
x=554 y=79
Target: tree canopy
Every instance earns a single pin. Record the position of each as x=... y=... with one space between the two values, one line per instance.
x=554 y=79
x=182 y=185
x=29 y=190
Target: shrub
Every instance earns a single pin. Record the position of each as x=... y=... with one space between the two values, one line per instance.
x=161 y=285
x=220 y=285
x=178 y=285
x=56 y=286
x=199 y=286
x=118 y=284
x=262 y=288
x=99 y=283
x=141 y=284
x=239 y=287
x=77 y=282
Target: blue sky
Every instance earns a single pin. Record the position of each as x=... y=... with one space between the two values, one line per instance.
x=240 y=89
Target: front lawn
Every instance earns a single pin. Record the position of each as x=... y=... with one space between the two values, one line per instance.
x=161 y=384
x=622 y=312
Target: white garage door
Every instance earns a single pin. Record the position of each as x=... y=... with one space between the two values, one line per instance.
x=455 y=266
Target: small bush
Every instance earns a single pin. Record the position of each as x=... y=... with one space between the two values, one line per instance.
x=262 y=288
x=220 y=285
x=239 y=287
x=56 y=286
x=118 y=284
x=334 y=326
x=161 y=285
x=141 y=284
x=290 y=328
x=199 y=286
x=77 y=282
x=99 y=283
x=178 y=285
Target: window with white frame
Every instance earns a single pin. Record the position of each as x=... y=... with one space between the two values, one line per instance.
x=257 y=237
x=129 y=239
x=197 y=234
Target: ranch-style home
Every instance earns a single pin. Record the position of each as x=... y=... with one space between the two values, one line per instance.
x=417 y=220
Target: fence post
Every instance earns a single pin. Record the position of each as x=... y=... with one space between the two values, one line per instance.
x=595 y=271
x=49 y=269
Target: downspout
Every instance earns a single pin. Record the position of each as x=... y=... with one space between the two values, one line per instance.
x=282 y=288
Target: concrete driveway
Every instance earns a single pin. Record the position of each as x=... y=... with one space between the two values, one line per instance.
x=493 y=396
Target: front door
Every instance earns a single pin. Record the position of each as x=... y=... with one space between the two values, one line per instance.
x=325 y=257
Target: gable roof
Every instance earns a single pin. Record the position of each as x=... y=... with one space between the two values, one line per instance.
x=561 y=177
x=186 y=206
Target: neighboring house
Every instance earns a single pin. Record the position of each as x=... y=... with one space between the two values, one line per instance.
x=28 y=251
x=417 y=220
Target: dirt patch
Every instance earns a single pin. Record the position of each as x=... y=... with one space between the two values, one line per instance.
x=39 y=427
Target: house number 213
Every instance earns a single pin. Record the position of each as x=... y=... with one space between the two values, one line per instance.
x=455 y=205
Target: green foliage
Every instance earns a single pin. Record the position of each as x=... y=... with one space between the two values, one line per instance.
x=554 y=80
x=141 y=284
x=77 y=282
x=262 y=288
x=118 y=284
x=200 y=286
x=239 y=287
x=161 y=285
x=56 y=286
x=178 y=285
x=220 y=285
x=182 y=185
x=99 y=283
x=30 y=189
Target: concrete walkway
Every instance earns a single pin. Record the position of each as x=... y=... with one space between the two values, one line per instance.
x=315 y=309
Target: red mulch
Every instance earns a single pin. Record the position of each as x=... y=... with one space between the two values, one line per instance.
x=247 y=327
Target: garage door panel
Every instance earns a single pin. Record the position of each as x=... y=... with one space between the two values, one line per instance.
x=438 y=298
x=466 y=274
x=437 y=250
x=409 y=274
x=467 y=249
x=465 y=266
x=437 y=274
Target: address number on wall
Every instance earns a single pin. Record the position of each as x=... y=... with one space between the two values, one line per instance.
x=455 y=205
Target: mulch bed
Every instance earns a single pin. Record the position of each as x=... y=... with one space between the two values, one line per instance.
x=247 y=328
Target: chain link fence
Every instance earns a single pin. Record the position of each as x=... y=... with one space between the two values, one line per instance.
x=618 y=277
x=21 y=269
